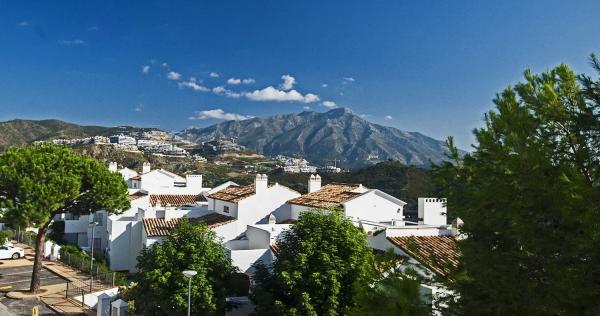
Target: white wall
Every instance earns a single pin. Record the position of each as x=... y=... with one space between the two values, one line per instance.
x=373 y=207
x=255 y=209
x=432 y=211
x=244 y=259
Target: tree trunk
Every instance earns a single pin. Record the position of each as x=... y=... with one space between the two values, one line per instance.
x=37 y=263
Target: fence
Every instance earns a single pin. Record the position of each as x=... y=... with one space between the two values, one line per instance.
x=97 y=272
x=24 y=238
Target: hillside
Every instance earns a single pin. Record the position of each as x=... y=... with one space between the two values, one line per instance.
x=22 y=132
x=322 y=137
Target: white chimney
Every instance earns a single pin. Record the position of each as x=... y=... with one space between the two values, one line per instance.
x=272 y=219
x=314 y=183
x=432 y=211
x=112 y=166
x=260 y=183
x=456 y=225
x=145 y=167
x=194 y=182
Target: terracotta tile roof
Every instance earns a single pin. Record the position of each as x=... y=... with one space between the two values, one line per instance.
x=439 y=254
x=175 y=199
x=136 y=196
x=330 y=195
x=233 y=193
x=159 y=227
x=136 y=178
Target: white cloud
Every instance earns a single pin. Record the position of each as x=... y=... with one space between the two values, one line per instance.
x=388 y=117
x=221 y=90
x=24 y=23
x=234 y=81
x=145 y=69
x=71 y=42
x=173 y=75
x=164 y=65
x=139 y=108
x=272 y=94
x=306 y=107
x=192 y=84
x=349 y=79
x=219 y=114
x=329 y=104
x=213 y=74
x=288 y=82
x=324 y=85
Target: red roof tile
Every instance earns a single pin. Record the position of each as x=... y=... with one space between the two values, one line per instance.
x=159 y=227
x=439 y=254
x=330 y=195
x=175 y=199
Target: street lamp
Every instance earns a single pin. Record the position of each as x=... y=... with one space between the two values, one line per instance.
x=93 y=224
x=189 y=274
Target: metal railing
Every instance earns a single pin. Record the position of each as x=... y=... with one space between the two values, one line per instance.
x=83 y=264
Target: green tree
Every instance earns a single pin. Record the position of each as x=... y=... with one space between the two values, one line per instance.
x=529 y=196
x=322 y=263
x=162 y=289
x=394 y=291
x=40 y=181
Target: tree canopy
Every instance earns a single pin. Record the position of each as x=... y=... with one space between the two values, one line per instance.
x=529 y=196
x=162 y=289
x=322 y=262
x=39 y=181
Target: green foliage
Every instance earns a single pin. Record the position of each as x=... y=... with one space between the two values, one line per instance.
x=321 y=265
x=393 y=291
x=161 y=287
x=529 y=197
x=5 y=235
x=40 y=181
x=57 y=232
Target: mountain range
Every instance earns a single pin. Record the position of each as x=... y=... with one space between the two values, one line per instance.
x=22 y=132
x=337 y=135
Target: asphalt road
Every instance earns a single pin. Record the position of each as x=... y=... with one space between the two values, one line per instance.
x=20 y=277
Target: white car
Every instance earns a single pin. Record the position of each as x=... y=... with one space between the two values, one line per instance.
x=10 y=252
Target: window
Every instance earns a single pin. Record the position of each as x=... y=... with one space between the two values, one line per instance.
x=99 y=218
x=225 y=208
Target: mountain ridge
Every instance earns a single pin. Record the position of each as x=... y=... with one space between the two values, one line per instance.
x=338 y=134
x=20 y=132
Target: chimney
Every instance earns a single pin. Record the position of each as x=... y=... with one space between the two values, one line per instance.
x=260 y=183
x=272 y=219
x=432 y=211
x=194 y=181
x=145 y=167
x=314 y=183
x=112 y=166
x=456 y=225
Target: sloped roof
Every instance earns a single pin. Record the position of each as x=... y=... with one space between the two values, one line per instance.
x=159 y=227
x=136 y=195
x=176 y=199
x=440 y=254
x=233 y=193
x=330 y=195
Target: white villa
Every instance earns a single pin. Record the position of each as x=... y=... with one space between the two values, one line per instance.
x=250 y=219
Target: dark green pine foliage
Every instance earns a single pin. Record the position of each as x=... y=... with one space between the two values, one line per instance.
x=162 y=289
x=529 y=195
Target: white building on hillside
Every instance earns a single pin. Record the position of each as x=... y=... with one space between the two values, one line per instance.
x=359 y=203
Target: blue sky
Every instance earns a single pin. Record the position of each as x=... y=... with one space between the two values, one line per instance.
x=427 y=66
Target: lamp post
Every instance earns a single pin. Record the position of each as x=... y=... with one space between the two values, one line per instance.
x=189 y=274
x=94 y=223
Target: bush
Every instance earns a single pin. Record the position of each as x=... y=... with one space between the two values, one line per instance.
x=5 y=235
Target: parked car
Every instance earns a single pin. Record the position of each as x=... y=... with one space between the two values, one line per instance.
x=10 y=252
